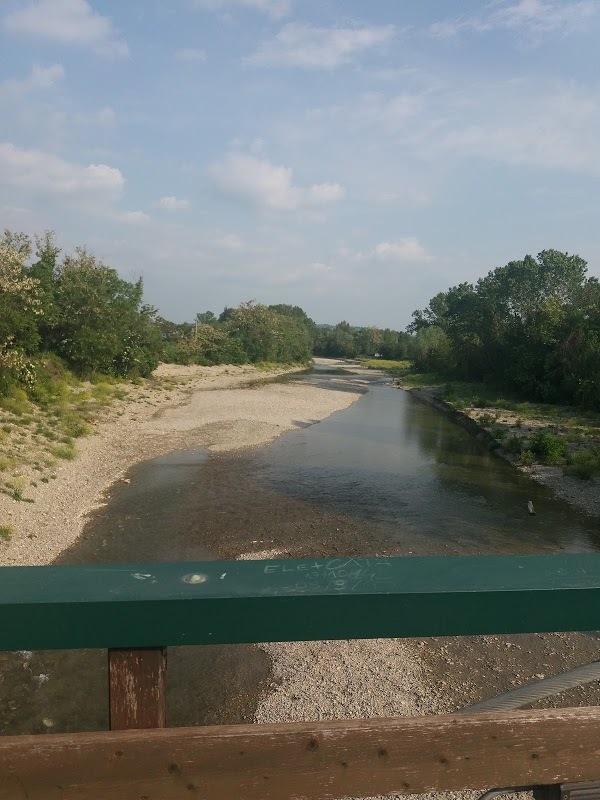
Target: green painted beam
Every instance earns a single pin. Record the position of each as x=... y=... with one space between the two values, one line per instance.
x=145 y=605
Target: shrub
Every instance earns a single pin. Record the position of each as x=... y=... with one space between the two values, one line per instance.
x=65 y=451
x=548 y=448
x=499 y=433
x=507 y=405
x=6 y=532
x=15 y=401
x=481 y=402
x=73 y=426
x=584 y=465
x=6 y=463
x=486 y=419
x=514 y=445
x=526 y=458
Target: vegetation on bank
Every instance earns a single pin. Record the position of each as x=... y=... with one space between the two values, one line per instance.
x=522 y=343
x=519 y=350
x=345 y=341
x=532 y=432
x=75 y=338
x=532 y=327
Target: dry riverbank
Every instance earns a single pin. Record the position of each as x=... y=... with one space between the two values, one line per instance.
x=221 y=408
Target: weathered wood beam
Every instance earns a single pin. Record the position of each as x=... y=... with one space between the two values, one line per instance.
x=306 y=760
x=155 y=605
x=137 y=688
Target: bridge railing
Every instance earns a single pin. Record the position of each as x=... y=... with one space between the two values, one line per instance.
x=137 y=610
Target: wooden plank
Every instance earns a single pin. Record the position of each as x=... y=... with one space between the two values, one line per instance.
x=152 y=605
x=137 y=688
x=306 y=760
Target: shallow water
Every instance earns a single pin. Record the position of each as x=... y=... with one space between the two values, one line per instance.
x=406 y=468
x=400 y=470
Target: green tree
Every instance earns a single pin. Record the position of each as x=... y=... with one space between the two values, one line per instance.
x=21 y=308
x=266 y=335
x=206 y=318
x=102 y=324
x=44 y=270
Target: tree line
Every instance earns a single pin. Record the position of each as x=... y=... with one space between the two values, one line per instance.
x=532 y=325
x=79 y=310
x=344 y=341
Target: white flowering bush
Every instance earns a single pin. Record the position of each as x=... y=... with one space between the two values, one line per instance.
x=19 y=308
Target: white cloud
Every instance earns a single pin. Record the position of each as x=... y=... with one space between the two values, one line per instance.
x=103 y=118
x=134 y=217
x=229 y=241
x=326 y=193
x=262 y=183
x=408 y=249
x=39 y=78
x=531 y=19
x=272 y=8
x=172 y=203
x=299 y=45
x=36 y=170
x=320 y=268
x=531 y=122
x=551 y=129
x=72 y=22
x=190 y=54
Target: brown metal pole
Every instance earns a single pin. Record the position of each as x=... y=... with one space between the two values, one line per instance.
x=137 y=688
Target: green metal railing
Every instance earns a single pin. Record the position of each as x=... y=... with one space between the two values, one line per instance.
x=150 y=605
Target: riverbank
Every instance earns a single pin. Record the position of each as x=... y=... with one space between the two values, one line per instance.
x=221 y=408
x=498 y=426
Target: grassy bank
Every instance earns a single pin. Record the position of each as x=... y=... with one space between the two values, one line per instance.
x=39 y=428
x=533 y=433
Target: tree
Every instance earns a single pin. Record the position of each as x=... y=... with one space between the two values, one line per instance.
x=21 y=307
x=532 y=324
x=206 y=318
x=102 y=324
x=44 y=270
x=266 y=335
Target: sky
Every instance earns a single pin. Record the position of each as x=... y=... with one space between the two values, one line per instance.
x=350 y=157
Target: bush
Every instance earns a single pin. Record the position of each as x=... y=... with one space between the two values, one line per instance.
x=486 y=419
x=499 y=433
x=514 y=445
x=73 y=426
x=526 y=458
x=15 y=401
x=5 y=532
x=548 y=448
x=584 y=465
x=481 y=402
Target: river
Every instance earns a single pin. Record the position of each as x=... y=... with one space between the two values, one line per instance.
x=389 y=475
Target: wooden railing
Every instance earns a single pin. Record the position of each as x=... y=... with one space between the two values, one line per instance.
x=137 y=610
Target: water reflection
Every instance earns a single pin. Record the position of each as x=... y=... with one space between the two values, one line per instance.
x=409 y=470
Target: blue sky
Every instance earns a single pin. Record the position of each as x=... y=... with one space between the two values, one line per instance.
x=353 y=158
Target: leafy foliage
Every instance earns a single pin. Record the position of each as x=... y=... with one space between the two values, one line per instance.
x=345 y=341
x=79 y=310
x=532 y=325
